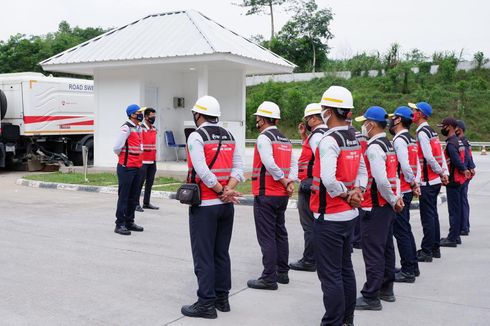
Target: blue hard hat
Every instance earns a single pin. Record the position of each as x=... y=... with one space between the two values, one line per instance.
x=423 y=107
x=404 y=112
x=374 y=113
x=132 y=109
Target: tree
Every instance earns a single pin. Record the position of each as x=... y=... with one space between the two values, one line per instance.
x=480 y=60
x=304 y=38
x=392 y=58
x=262 y=6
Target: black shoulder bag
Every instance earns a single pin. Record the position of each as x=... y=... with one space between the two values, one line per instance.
x=190 y=193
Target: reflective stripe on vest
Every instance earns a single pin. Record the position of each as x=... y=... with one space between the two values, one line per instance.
x=348 y=163
x=149 y=138
x=455 y=175
x=130 y=156
x=427 y=173
x=262 y=182
x=307 y=158
x=412 y=160
x=372 y=198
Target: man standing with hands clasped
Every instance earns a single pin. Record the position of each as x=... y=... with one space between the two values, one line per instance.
x=274 y=172
x=312 y=123
x=381 y=203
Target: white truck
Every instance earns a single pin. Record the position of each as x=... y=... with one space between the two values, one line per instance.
x=44 y=120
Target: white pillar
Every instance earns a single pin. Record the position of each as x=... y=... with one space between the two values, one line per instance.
x=202 y=81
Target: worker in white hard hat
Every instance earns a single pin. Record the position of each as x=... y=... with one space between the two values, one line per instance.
x=216 y=166
x=311 y=130
x=339 y=177
x=273 y=176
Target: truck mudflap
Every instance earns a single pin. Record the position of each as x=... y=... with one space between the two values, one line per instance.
x=3 y=154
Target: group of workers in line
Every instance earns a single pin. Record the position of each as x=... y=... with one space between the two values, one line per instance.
x=355 y=191
x=136 y=150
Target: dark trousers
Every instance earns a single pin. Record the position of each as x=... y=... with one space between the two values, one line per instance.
x=465 y=226
x=147 y=175
x=334 y=268
x=272 y=234
x=210 y=229
x=455 y=209
x=377 y=249
x=430 y=218
x=404 y=237
x=306 y=219
x=128 y=194
x=356 y=237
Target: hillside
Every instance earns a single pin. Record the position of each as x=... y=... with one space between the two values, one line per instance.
x=464 y=95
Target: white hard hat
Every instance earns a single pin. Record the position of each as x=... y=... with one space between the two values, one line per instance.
x=337 y=97
x=268 y=110
x=207 y=105
x=312 y=109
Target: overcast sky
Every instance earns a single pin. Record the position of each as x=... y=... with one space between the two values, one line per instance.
x=358 y=25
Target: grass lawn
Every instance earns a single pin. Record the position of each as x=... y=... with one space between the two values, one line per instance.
x=95 y=179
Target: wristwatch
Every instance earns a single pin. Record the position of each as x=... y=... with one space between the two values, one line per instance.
x=221 y=192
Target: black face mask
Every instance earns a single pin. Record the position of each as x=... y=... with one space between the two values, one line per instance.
x=151 y=120
x=307 y=126
x=391 y=125
x=139 y=117
x=444 y=132
x=194 y=116
x=458 y=133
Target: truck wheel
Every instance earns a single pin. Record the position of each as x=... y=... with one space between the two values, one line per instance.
x=77 y=158
x=3 y=104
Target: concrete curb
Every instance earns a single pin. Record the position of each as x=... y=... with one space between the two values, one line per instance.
x=246 y=200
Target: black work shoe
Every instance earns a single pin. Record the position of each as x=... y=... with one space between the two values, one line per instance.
x=348 y=321
x=465 y=233
x=302 y=265
x=368 y=304
x=122 y=230
x=199 y=310
x=139 y=209
x=436 y=252
x=150 y=206
x=423 y=257
x=417 y=270
x=283 y=278
x=135 y=227
x=458 y=240
x=260 y=284
x=445 y=242
x=386 y=293
x=222 y=304
x=401 y=277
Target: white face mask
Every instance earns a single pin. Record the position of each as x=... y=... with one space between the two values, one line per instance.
x=325 y=119
x=365 y=131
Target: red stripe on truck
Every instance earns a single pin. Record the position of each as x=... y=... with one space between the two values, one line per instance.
x=44 y=118
x=81 y=123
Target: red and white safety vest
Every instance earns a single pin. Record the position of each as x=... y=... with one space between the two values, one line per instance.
x=307 y=158
x=149 y=138
x=455 y=175
x=427 y=173
x=348 y=163
x=372 y=198
x=412 y=159
x=131 y=154
x=362 y=141
x=262 y=181
x=224 y=162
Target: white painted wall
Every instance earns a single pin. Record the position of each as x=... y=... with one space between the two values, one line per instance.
x=116 y=89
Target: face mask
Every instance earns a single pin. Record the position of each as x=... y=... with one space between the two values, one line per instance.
x=391 y=126
x=458 y=133
x=325 y=119
x=151 y=120
x=307 y=126
x=194 y=116
x=139 y=117
x=365 y=131
x=416 y=116
x=257 y=124
x=444 y=132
